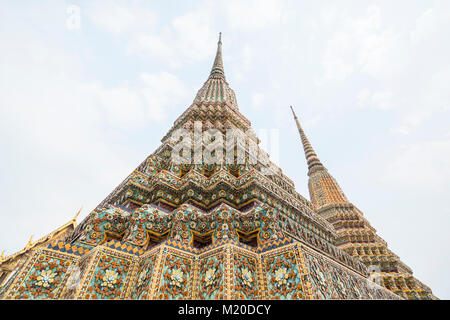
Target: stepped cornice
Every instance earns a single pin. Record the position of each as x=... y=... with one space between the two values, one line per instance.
x=148 y=184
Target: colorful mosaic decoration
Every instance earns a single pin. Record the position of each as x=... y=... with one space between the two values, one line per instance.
x=211 y=276
x=214 y=231
x=245 y=271
x=143 y=279
x=176 y=280
x=44 y=276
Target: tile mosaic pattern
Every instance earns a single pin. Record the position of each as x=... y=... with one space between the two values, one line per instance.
x=223 y=271
x=44 y=276
x=214 y=231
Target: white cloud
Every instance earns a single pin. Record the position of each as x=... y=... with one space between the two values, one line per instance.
x=124 y=107
x=432 y=98
x=195 y=34
x=358 y=44
x=243 y=63
x=377 y=53
x=423 y=165
x=424 y=25
x=335 y=68
x=149 y=100
x=54 y=150
x=379 y=99
x=431 y=22
x=58 y=131
x=247 y=56
x=153 y=46
x=411 y=121
x=369 y=46
x=118 y=19
x=162 y=91
x=436 y=95
x=113 y=18
x=189 y=37
x=311 y=122
x=253 y=14
x=257 y=100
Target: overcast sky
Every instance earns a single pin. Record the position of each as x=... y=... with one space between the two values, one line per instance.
x=81 y=105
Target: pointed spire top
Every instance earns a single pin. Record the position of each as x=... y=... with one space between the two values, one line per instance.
x=30 y=242
x=295 y=117
x=312 y=159
x=76 y=216
x=217 y=68
x=216 y=88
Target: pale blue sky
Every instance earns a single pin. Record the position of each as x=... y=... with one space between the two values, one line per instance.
x=369 y=80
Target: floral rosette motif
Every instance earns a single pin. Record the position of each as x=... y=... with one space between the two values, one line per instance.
x=284 y=282
x=211 y=278
x=247 y=277
x=143 y=278
x=109 y=278
x=245 y=271
x=175 y=278
x=318 y=270
x=44 y=279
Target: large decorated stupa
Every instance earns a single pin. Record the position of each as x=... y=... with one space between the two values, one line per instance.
x=214 y=230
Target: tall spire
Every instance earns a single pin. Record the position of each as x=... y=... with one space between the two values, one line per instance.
x=323 y=188
x=312 y=159
x=217 y=68
x=216 y=88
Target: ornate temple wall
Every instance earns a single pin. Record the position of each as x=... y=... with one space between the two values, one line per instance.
x=281 y=269
x=43 y=276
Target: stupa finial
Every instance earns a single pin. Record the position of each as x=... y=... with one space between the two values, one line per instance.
x=217 y=68
x=311 y=157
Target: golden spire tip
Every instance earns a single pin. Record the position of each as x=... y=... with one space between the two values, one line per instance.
x=30 y=242
x=292 y=109
x=78 y=213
